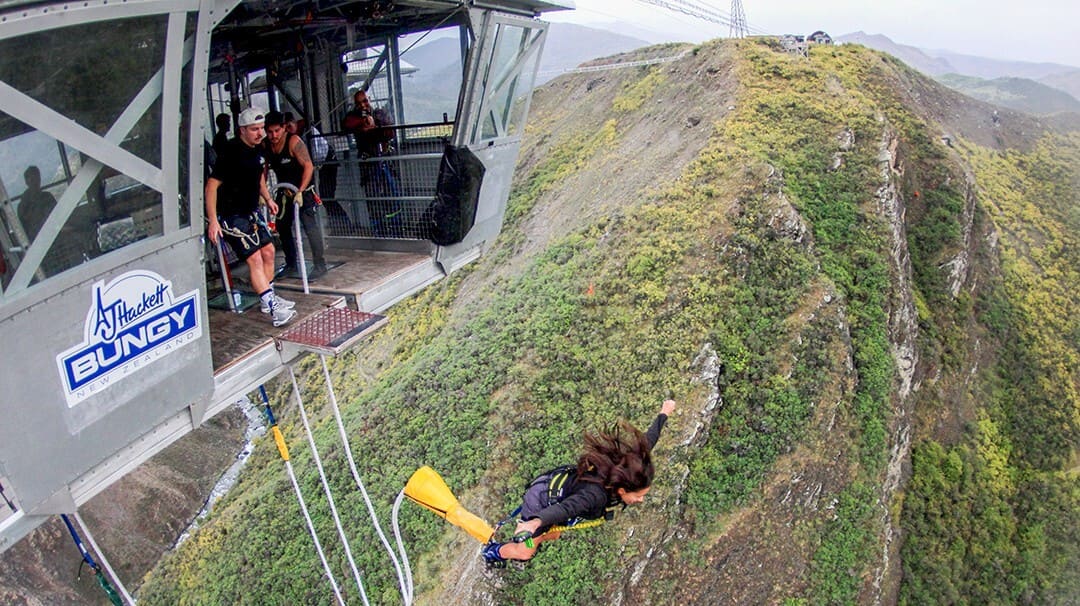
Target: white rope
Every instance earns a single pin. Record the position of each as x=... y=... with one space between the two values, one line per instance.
x=301 y=262
x=401 y=546
x=360 y=484
x=314 y=535
x=104 y=560
x=226 y=279
x=252 y=239
x=326 y=488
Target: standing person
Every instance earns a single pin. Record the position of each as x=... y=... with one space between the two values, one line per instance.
x=35 y=204
x=373 y=132
x=221 y=137
x=288 y=157
x=325 y=158
x=615 y=470
x=370 y=127
x=233 y=191
x=291 y=126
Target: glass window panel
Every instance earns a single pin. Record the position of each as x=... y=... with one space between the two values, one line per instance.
x=88 y=72
x=144 y=140
x=509 y=82
x=186 y=196
x=113 y=211
x=518 y=97
x=33 y=170
x=489 y=130
x=431 y=75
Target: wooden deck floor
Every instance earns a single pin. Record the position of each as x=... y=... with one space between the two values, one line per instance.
x=356 y=278
x=233 y=336
x=360 y=271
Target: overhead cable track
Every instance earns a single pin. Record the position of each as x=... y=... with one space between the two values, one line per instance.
x=699 y=11
x=610 y=66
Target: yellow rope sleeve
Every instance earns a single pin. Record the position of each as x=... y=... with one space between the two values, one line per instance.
x=280 y=440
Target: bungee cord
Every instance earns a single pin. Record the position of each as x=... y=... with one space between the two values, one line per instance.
x=114 y=597
x=283 y=450
x=401 y=546
x=326 y=487
x=405 y=592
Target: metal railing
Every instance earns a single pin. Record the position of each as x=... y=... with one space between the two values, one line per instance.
x=385 y=196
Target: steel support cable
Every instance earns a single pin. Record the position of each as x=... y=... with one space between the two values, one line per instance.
x=359 y=482
x=326 y=487
x=722 y=14
x=283 y=450
x=690 y=10
x=401 y=546
x=704 y=7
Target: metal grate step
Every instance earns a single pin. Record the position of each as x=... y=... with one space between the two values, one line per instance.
x=333 y=330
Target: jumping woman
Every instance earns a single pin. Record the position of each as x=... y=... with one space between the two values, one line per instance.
x=615 y=470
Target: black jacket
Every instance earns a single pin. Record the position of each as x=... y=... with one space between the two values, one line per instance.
x=589 y=500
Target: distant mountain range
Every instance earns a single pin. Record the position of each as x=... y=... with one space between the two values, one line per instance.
x=1021 y=94
x=569 y=45
x=1035 y=88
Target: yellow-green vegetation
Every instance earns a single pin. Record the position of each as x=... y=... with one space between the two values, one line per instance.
x=792 y=115
x=561 y=162
x=634 y=94
x=994 y=519
x=604 y=323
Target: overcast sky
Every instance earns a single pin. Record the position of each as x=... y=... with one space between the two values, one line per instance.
x=1022 y=30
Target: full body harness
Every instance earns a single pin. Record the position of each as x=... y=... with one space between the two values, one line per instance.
x=559 y=481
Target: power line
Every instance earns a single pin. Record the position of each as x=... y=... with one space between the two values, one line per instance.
x=689 y=9
x=736 y=21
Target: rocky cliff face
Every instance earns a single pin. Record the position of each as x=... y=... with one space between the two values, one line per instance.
x=134 y=522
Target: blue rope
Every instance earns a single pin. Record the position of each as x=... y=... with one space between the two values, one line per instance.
x=266 y=406
x=102 y=581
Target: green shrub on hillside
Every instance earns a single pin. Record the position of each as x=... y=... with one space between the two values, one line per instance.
x=993 y=519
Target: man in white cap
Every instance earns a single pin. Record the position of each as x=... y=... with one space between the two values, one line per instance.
x=233 y=194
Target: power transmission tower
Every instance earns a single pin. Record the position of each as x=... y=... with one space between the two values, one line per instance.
x=738 y=28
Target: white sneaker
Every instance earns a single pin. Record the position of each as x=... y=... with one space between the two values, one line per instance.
x=279 y=301
x=281 y=316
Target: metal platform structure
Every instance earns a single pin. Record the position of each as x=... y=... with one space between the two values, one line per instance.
x=113 y=351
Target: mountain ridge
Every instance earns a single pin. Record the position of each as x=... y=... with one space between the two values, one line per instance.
x=940 y=63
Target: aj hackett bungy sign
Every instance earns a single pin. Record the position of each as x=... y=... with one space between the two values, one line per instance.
x=133 y=321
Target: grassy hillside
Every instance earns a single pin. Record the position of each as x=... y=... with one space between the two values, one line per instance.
x=785 y=246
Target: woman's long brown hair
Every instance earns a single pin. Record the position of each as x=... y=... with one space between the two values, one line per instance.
x=619 y=458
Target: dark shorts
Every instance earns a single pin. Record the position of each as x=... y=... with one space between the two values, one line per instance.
x=245 y=234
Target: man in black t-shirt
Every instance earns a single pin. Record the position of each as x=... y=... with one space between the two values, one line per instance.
x=288 y=157
x=233 y=192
